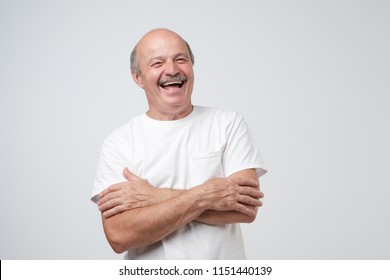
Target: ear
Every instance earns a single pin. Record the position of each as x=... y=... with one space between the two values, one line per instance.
x=137 y=79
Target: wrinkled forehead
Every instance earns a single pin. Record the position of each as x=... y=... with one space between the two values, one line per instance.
x=160 y=44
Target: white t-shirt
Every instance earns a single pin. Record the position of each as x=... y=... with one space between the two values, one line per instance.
x=182 y=154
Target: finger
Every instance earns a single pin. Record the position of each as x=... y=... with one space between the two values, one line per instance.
x=104 y=206
x=104 y=195
x=113 y=211
x=127 y=174
x=262 y=195
x=245 y=210
x=108 y=196
x=249 y=200
x=250 y=192
x=130 y=176
x=245 y=182
x=110 y=189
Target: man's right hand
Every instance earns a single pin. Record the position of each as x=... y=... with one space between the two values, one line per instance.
x=154 y=213
x=133 y=193
x=219 y=194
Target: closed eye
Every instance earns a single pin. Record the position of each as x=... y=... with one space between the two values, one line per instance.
x=181 y=60
x=156 y=64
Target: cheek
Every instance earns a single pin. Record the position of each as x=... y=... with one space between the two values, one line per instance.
x=153 y=78
x=189 y=73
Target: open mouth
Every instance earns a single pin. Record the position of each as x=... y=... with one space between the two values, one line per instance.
x=172 y=84
x=176 y=82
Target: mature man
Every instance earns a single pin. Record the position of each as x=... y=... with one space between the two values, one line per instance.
x=175 y=182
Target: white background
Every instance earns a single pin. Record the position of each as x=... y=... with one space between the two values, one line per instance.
x=310 y=77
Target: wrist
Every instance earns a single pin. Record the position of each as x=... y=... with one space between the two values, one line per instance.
x=166 y=193
x=198 y=194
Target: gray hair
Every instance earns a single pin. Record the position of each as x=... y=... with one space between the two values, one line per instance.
x=134 y=65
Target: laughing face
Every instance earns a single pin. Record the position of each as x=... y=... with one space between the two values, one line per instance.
x=166 y=74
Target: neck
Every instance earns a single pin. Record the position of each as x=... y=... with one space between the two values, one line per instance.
x=169 y=115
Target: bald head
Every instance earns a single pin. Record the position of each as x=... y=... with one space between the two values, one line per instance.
x=155 y=34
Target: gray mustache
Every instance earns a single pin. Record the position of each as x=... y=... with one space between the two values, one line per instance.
x=176 y=78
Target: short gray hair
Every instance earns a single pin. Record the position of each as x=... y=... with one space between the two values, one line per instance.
x=134 y=65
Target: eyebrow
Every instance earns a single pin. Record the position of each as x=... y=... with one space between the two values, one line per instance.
x=155 y=58
x=163 y=58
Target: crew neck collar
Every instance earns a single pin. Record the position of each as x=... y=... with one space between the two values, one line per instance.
x=172 y=122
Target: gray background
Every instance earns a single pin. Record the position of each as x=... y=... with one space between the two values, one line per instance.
x=310 y=77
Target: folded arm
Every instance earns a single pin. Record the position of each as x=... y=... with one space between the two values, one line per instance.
x=145 y=225
x=136 y=214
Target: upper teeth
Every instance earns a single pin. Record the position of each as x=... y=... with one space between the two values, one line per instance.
x=171 y=83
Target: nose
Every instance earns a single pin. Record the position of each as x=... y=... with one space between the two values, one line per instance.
x=171 y=68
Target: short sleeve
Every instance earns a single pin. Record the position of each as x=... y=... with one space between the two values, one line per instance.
x=110 y=166
x=241 y=150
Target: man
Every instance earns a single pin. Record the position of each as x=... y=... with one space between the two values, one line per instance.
x=175 y=182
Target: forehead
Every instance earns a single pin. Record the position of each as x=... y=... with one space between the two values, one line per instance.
x=161 y=44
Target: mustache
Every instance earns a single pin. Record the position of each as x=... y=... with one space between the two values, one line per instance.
x=169 y=79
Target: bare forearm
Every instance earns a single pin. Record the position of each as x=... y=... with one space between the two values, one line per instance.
x=212 y=217
x=141 y=214
x=143 y=226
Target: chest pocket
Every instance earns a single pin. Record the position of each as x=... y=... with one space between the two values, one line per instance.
x=205 y=166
